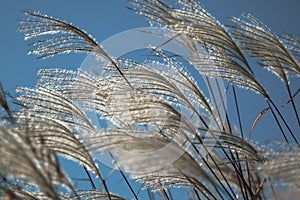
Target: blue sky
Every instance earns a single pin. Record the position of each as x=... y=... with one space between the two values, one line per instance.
x=104 y=18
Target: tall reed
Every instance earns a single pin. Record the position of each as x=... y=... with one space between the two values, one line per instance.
x=158 y=126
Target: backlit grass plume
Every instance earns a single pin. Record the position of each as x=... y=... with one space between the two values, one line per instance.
x=156 y=123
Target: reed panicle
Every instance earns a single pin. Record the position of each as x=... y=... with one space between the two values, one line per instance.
x=159 y=127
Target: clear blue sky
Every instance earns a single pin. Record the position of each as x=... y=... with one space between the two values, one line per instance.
x=104 y=18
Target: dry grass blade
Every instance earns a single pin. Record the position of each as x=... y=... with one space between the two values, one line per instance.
x=254 y=37
x=66 y=37
x=256 y=120
x=157 y=181
x=22 y=158
x=220 y=56
x=169 y=81
x=55 y=105
x=155 y=160
x=141 y=103
x=55 y=122
x=57 y=137
x=221 y=66
x=257 y=39
x=292 y=43
x=233 y=142
x=152 y=118
x=79 y=87
x=282 y=164
x=191 y=20
x=92 y=194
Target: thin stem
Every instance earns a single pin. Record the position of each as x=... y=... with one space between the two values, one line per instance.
x=282 y=118
x=236 y=164
x=242 y=133
x=164 y=194
x=279 y=125
x=90 y=178
x=124 y=177
x=169 y=193
x=293 y=104
x=238 y=111
x=216 y=106
x=272 y=188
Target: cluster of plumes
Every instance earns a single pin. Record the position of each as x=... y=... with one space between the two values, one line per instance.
x=162 y=130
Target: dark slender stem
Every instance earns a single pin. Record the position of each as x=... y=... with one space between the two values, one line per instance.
x=90 y=178
x=242 y=134
x=237 y=160
x=124 y=177
x=169 y=193
x=285 y=123
x=277 y=121
x=196 y=193
x=195 y=188
x=164 y=194
x=236 y=164
x=205 y=124
x=272 y=188
x=209 y=167
x=238 y=111
x=293 y=104
x=248 y=174
x=282 y=118
x=216 y=106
